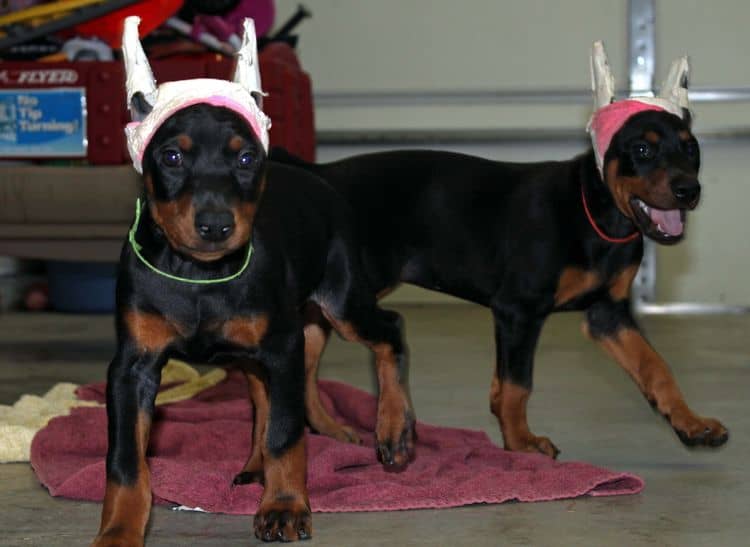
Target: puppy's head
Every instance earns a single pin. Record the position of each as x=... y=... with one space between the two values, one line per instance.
x=204 y=176
x=651 y=168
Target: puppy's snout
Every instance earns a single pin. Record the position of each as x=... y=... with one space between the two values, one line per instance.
x=686 y=190
x=214 y=226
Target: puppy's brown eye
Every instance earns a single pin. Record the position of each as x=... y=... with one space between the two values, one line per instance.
x=245 y=160
x=643 y=151
x=172 y=157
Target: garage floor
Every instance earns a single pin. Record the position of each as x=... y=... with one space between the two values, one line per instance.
x=584 y=402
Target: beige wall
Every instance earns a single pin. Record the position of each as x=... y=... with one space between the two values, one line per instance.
x=358 y=45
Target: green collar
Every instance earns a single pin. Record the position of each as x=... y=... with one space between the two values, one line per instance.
x=137 y=250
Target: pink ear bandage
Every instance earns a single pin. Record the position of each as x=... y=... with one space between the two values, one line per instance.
x=609 y=119
x=172 y=97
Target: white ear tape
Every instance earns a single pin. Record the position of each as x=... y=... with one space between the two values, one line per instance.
x=247 y=72
x=138 y=75
x=602 y=81
x=674 y=88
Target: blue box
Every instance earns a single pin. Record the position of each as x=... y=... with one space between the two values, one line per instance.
x=39 y=123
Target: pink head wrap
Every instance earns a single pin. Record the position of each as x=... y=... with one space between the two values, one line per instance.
x=608 y=120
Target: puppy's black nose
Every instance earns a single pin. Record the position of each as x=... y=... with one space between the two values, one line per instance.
x=214 y=225
x=687 y=190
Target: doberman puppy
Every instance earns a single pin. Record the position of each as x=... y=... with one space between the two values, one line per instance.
x=225 y=250
x=527 y=240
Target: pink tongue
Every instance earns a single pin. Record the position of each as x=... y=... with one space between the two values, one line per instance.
x=669 y=220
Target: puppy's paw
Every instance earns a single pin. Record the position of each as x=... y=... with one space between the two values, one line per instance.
x=335 y=430
x=532 y=443
x=283 y=518
x=347 y=435
x=697 y=431
x=395 y=436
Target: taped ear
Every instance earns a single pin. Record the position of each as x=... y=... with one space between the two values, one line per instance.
x=247 y=71
x=139 y=79
x=675 y=86
x=602 y=80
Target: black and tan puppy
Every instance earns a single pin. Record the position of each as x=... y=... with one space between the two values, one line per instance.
x=527 y=240
x=226 y=249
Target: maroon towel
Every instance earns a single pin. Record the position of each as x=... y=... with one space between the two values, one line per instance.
x=197 y=446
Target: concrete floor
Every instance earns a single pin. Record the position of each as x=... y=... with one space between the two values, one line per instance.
x=584 y=402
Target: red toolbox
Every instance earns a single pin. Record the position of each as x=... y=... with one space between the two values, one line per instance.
x=289 y=101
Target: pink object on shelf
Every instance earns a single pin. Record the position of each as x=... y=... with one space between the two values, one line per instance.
x=197 y=446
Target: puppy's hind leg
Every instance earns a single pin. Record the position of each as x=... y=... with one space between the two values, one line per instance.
x=348 y=302
x=317 y=332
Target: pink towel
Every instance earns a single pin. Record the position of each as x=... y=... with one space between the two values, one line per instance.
x=197 y=446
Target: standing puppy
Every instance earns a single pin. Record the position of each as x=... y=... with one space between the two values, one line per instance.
x=527 y=240
x=224 y=250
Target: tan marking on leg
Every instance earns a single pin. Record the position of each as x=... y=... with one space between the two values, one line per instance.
x=619 y=287
x=149 y=331
x=496 y=396
x=646 y=367
x=395 y=423
x=509 y=402
x=253 y=468
x=574 y=282
x=319 y=419
x=285 y=494
x=394 y=430
x=245 y=331
x=126 y=507
x=652 y=375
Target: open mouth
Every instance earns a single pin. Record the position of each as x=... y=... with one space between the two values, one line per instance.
x=662 y=225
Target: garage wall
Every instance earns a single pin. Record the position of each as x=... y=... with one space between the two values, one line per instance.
x=478 y=45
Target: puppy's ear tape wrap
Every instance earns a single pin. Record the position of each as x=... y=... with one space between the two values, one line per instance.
x=150 y=106
x=602 y=80
x=247 y=71
x=610 y=115
x=140 y=84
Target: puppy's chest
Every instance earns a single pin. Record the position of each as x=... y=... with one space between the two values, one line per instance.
x=243 y=329
x=202 y=334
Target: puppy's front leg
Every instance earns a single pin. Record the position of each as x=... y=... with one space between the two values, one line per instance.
x=132 y=382
x=284 y=511
x=516 y=335
x=611 y=324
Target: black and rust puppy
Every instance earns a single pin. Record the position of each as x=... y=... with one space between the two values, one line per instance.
x=225 y=251
x=527 y=240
